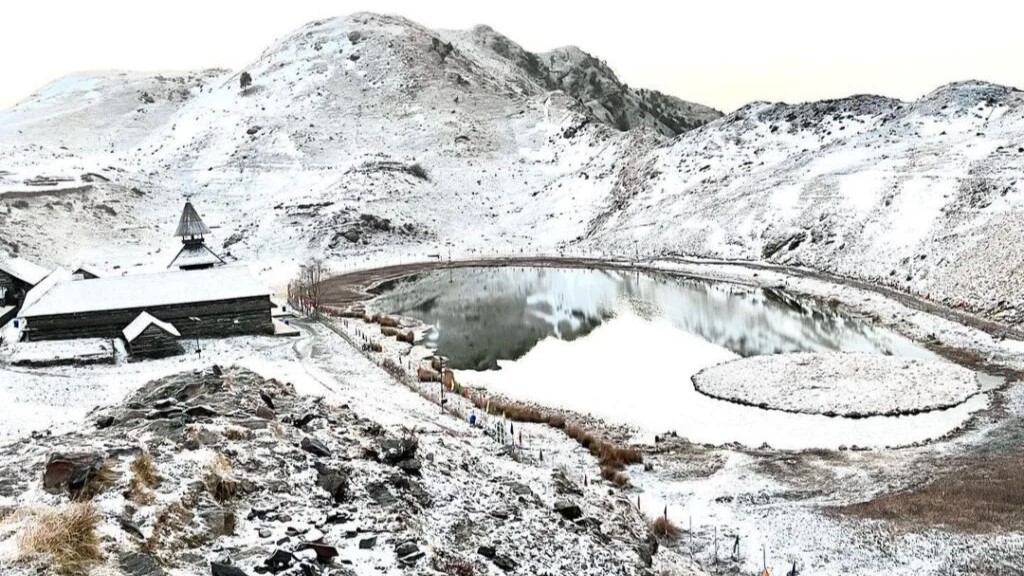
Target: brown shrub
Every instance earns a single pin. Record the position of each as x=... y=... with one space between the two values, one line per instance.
x=387 y=322
x=388 y=331
x=407 y=337
x=617 y=477
x=67 y=536
x=981 y=495
x=373 y=347
x=607 y=454
x=664 y=528
x=219 y=479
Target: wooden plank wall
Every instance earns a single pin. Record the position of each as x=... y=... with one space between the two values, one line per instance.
x=216 y=319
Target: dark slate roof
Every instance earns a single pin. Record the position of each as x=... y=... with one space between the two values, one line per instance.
x=195 y=255
x=190 y=223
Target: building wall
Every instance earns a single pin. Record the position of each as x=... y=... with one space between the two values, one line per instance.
x=154 y=343
x=12 y=290
x=216 y=319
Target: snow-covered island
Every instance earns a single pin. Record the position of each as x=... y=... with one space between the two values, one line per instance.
x=851 y=385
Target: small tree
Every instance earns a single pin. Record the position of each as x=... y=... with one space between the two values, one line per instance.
x=245 y=80
x=307 y=288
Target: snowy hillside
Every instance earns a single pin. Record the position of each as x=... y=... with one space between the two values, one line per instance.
x=926 y=195
x=357 y=133
x=368 y=135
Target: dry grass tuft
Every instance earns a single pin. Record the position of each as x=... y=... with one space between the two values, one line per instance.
x=617 y=477
x=144 y=478
x=220 y=480
x=454 y=566
x=664 y=528
x=610 y=456
x=236 y=433
x=66 y=536
x=98 y=483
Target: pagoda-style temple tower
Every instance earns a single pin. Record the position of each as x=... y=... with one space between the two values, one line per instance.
x=194 y=254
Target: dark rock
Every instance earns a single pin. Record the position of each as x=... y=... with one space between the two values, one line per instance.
x=280 y=560
x=162 y=414
x=334 y=481
x=411 y=466
x=568 y=510
x=380 y=493
x=130 y=527
x=406 y=548
x=410 y=559
x=104 y=422
x=267 y=400
x=200 y=412
x=486 y=551
x=305 y=419
x=315 y=447
x=367 y=543
x=134 y=564
x=221 y=569
x=589 y=523
x=265 y=413
x=71 y=471
x=504 y=562
x=395 y=450
x=324 y=552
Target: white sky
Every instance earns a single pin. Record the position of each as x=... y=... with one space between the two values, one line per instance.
x=723 y=53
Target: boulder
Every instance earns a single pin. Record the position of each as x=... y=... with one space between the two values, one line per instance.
x=410 y=466
x=395 y=450
x=324 y=552
x=315 y=447
x=568 y=510
x=406 y=548
x=71 y=472
x=367 y=543
x=279 y=561
x=504 y=562
x=265 y=413
x=334 y=481
x=135 y=564
x=380 y=493
x=305 y=419
x=222 y=569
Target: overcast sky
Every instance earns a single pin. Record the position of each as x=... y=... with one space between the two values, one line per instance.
x=723 y=53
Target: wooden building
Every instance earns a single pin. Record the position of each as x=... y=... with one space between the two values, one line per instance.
x=17 y=277
x=213 y=302
x=194 y=253
x=148 y=337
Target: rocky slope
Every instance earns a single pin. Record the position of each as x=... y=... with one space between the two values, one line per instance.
x=221 y=471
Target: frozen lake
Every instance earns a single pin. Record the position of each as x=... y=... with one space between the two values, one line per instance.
x=623 y=346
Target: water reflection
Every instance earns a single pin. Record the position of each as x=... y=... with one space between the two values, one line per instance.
x=482 y=315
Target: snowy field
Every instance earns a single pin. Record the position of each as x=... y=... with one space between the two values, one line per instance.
x=618 y=373
x=839 y=384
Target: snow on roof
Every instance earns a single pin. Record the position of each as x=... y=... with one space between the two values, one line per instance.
x=190 y=223
x=195 y=255
x=23 y=270
x=143 y=321
x=144 y=291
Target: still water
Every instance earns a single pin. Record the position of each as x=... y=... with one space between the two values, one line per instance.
x=481 y=316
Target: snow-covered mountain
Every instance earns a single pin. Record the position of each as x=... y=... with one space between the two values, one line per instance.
x=923 y=195
x=371 y=133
